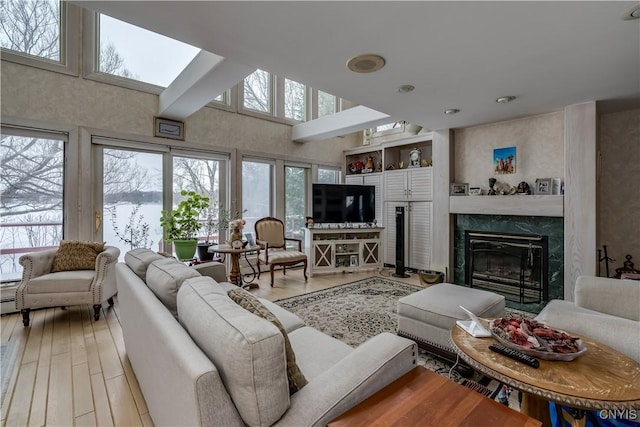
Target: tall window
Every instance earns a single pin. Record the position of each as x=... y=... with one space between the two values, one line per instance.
x=326 y=104
x=257 y=191
x=135 y=53
x=132 y=199
x=295 y=198
x=295 y=97
x=203 y=177
x=329 y=176
x=32 y=28
x=257 y=91
x=31 y=196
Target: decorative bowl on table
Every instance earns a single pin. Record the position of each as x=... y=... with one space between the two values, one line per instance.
x=536 y=339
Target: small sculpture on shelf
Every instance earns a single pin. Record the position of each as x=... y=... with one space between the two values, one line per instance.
x=414 y=158
x=369 y=164
x=492 y=183
x=523 y=188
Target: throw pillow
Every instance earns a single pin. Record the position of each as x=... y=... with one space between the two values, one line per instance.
x=250 y=303
x=76 y=255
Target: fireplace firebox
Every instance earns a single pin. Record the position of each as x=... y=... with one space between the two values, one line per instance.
x=514 y=265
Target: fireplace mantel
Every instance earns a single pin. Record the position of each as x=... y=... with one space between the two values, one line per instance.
x=508 y=205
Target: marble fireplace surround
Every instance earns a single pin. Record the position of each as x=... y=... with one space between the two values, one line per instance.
x=550 y=226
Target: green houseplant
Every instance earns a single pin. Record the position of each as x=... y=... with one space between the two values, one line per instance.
x=183 y=222
x=216 y=220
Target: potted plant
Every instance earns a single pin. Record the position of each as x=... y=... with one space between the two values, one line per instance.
x=183 y=222
x=217 y=220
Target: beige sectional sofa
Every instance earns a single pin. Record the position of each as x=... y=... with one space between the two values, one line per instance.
x=606 y=310
x=211 y=362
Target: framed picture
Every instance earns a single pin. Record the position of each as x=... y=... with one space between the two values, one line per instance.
x=251 y=241
x=543 y=186
x=475 y=191
x=461 y=189
x=166 y=128
x=504 y=160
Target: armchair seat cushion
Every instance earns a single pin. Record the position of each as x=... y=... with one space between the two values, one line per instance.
x=62 y=282
x=276 y=257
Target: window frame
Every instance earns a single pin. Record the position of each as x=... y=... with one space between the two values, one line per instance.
x=91 y=64
x=70 y=24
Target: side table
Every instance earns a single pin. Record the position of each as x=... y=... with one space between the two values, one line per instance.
x=422 y=397
x=234 y=275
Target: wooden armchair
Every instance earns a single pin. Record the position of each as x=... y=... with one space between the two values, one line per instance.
x=273 y=247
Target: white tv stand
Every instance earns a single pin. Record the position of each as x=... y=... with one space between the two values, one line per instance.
x=334 y=250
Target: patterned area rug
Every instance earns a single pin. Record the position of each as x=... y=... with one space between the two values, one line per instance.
x=354 y=312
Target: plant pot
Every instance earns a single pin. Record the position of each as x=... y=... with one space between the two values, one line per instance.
x=185 y=249
x=203 y=251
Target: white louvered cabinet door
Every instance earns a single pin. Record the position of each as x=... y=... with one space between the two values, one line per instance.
x=419 y=255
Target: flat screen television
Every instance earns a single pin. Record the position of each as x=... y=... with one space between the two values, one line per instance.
x=339 y=203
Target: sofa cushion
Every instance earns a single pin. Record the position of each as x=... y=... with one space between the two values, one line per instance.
x=76 y=255
x=247 y=350
x=247 y=301
x=317 y=352
x=164 y=278
x=139 y=259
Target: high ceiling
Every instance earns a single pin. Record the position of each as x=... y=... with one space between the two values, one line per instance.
x=460 y=55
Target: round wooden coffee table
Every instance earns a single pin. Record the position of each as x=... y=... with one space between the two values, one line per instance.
x=602 y=378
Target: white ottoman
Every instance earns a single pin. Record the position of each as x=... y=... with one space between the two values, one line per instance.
x=428 y=316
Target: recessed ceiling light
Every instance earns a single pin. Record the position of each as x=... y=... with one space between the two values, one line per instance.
x=505 y=99
x=367 y=63
x=450 y=111
x=633 y=13
x=406 y=88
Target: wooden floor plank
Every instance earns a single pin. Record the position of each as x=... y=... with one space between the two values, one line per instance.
x=146 y=420
x=82 y=395
x=121 y=400
x=91 y=346
x=78 y=347
x=41 y=389
x=21 y=403
x=18 y=339
x=86 y=420
x=109 y=360
x=32 y=350
x=60 y=401
x=101 y=401
x=61 y=332
x=7 y=323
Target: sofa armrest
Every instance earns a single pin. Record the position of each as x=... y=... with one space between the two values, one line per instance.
x=616 y=332
x=216 y=270
x=619 y=298
x=36 y=264
x=368 y=368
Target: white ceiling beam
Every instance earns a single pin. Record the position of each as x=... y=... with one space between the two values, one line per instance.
x=206 y=77
x=338 y=124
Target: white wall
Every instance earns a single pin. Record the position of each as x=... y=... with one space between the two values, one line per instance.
x=619 y=186
x=539 y=142
x=31 y=93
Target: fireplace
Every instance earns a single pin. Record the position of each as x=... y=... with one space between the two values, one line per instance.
x=514 y=265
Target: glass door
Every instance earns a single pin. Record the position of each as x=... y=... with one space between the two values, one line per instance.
x=132 y=199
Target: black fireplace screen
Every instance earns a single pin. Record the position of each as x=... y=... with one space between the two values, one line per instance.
x=514 y=265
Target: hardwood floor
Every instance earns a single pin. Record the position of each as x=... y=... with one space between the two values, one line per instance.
x=71 y=370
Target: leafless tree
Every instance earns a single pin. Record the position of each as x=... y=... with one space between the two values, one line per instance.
x=257 y=87
x=31 y=27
